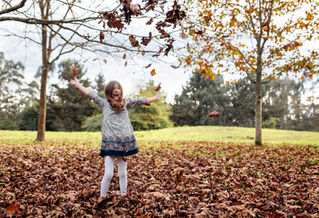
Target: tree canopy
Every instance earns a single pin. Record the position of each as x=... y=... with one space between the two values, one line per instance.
x=262 y=40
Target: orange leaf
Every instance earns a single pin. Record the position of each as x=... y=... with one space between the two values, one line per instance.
x=125 y=64
x=188 y=61
x=124 y=56
x=153 y=72
x=105 y=61
x=143 y=53
x=74 y=71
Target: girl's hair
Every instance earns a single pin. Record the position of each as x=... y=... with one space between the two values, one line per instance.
x=116 y=105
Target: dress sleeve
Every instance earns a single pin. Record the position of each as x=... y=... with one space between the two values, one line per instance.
x=97 y=99
x=132 y=102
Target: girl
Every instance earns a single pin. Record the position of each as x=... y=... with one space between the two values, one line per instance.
x=118 y=138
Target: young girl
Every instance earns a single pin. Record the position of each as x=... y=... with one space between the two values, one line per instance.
x=118 y=138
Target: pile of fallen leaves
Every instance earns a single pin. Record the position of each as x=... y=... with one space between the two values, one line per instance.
x=197 y=179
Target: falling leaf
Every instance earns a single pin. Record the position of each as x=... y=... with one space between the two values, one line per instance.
x=146 y=40
x=153 y=72
x=101 y=36
x=149 y=22
x=125 y=64
x=133 y=41
x=124 y=55
x=158 y=87
x=148 y=66
x=105 y=61
x=213 y=114
x=74 y=71
x=174 y=66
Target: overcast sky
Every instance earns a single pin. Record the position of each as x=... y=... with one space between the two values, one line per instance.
x=131 y=76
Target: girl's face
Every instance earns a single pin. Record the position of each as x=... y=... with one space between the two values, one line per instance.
x=116 y=93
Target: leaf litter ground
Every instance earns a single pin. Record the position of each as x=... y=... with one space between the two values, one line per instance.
x=200 y=179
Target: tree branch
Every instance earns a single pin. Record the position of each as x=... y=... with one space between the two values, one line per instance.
x=46 y=22
x=14 y=8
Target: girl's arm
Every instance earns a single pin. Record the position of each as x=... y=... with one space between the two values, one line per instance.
x=155 y=98
x=76 y=83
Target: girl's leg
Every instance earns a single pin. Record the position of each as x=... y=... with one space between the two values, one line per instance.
x=108 y=174
x=122 y=172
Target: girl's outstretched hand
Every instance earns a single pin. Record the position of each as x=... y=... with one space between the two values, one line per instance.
x=158 y=96
x=74 y=81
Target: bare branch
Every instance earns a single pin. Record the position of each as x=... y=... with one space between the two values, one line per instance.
x=46 y=22
x=14 y=8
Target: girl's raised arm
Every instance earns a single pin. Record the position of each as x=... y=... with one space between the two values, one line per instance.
x=155 y=98
x=76 y=83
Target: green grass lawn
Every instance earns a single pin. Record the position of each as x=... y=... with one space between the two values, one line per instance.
x=198 y=133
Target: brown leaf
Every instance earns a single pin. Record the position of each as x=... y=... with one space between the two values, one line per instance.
x=213 y=114
x=158 y=87
x=13 y=210
x=149 y=22
x=146 y=40
x=133 y=41
x=148 y=66
x=101 y=36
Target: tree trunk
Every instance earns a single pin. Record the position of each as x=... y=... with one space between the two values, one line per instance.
x=258 y=111
x=44 y=79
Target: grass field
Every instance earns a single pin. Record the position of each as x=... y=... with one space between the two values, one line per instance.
x=185 y=134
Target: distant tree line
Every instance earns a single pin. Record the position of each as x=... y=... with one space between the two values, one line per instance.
x=69 y=110
x=283 y=107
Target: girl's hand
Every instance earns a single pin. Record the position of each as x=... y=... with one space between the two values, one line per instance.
x=158 y=96
x=74 y=81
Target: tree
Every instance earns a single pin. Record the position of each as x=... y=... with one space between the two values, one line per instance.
x=262 y=40
x=11 y=81
x=155 y=116
x=283 y=101
x=67 y=107
x=198 y=98
x=28 y=117
x=65 y=26
x=242 y=102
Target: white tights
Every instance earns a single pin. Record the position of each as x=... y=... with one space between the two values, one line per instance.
x=108 y=174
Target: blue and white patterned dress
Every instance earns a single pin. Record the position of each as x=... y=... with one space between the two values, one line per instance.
x=117 y=132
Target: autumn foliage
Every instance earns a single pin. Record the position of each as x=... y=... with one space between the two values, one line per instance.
x=197 y=179
x=121 y=17
x=271 y=37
